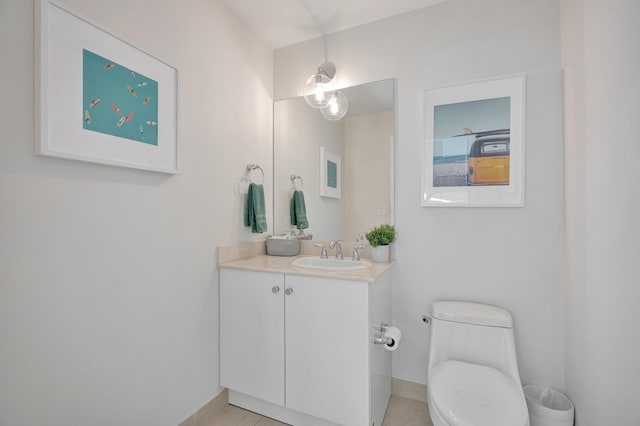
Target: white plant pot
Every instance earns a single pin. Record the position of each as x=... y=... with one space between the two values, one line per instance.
x=380 y=254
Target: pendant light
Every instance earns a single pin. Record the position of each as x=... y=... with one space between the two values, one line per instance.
x=319 y=91
x=319 y=87
x=337 y=107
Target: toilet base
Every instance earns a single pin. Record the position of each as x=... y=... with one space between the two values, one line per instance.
x=436 y=419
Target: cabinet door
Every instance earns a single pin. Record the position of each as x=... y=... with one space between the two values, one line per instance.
x=252 y=333
x=327 y=351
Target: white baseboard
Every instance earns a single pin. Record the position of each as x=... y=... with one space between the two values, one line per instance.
x=399 y=387
x=208 y=410
x=273 y=411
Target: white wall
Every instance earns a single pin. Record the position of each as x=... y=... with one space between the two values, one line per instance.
x=511 y=257
x=299 y=132
x=601 y=56
x=108 y=284
x=366 y=165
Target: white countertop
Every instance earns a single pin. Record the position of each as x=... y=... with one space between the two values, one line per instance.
x=282 y=264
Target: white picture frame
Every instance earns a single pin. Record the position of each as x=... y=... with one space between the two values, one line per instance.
x=330 y=174
x=62 y=37
x=475 y=144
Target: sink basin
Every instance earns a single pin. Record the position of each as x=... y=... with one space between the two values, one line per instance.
x=331 y=264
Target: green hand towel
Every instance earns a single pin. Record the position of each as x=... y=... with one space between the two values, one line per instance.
x=298 y=211
x=254 y=212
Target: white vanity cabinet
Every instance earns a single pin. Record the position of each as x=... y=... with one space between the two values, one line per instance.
x=327 y=335
x=299 y=349
x=252 y=333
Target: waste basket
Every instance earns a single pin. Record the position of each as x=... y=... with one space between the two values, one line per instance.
x=548 y=407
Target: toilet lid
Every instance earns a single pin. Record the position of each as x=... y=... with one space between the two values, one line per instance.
x=475 y=395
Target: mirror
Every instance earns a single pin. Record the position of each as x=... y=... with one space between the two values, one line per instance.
x=360 y=195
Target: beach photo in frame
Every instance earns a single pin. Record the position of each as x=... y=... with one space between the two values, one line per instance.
x=330 y=174
x=99 y=98
x=474 y=144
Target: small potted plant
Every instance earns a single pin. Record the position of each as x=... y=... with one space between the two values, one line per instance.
x=379 y=238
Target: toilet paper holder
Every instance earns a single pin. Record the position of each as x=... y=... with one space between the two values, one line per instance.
x=382 y=328
x=380 y=338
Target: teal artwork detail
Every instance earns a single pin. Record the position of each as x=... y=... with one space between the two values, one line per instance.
x=118 y=101
x=332 y=174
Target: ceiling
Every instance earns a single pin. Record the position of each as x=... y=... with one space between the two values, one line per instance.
x=282 y=23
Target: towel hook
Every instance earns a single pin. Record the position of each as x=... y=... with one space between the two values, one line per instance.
x=294 y=178
x=252 y=167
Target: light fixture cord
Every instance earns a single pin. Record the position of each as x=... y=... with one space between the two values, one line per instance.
x=318 y=26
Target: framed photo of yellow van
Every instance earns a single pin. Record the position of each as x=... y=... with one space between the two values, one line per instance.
x=474 y=144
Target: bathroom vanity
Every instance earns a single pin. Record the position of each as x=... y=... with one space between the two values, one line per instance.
x=296 y=344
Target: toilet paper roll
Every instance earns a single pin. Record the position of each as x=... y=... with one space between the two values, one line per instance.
x=395 y=334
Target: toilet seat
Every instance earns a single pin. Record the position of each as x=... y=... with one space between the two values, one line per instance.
x=467 y=394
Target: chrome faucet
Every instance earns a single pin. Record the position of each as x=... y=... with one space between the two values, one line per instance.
x=336 y=244
x=356 y=253
x=323 y=250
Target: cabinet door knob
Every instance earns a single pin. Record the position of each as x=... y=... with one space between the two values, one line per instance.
x=275 y=289
x=288 y=291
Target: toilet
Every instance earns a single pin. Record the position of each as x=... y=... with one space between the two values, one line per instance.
x=473 y=377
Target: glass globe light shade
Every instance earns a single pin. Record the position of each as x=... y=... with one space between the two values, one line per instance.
x=337 y=108
x=317 y=90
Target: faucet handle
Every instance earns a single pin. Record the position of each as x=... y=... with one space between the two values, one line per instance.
x=360 y=237
x=336 y=244
x=356 y=253
x=323 y=250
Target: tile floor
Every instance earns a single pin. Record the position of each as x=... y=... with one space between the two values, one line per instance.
x=400 y=412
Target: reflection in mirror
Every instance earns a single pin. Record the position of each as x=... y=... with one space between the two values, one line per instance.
x=362 y=141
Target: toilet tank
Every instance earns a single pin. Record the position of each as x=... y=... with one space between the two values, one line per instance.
x=473 y=332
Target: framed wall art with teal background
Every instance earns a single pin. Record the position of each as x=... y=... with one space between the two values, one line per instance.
x=99 y=98
x=330 y=174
